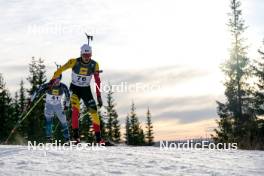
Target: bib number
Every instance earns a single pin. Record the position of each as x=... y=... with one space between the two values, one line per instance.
x=80 y=80
x=53 y=99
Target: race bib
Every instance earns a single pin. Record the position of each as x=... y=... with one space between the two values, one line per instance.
x=53 y=99
x=81 y=80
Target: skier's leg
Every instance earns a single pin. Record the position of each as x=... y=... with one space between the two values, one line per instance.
x=91 y=105
x=48 y=115
x=62 y=118
x=95 y=122
x=75 y=102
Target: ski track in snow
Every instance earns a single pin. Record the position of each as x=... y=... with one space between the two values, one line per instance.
x=123 y=160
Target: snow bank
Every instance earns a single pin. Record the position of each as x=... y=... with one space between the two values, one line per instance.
x=122 y=160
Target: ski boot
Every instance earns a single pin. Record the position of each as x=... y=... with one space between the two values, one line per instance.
x=106 y=143
x=101 y=141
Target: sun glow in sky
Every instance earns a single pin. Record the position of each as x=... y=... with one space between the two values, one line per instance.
x=174 y=43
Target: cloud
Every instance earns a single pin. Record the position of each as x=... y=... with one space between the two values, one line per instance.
x=163 y=75
x=184 y=110
x=172 y=130
x=14 y=69
x=189 y=116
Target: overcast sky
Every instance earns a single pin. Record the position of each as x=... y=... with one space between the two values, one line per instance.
x=175 y=45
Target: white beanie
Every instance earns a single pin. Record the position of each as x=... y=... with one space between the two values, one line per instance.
x=86 y=49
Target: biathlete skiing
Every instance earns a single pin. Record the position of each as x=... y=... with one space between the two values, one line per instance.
x=53 y=106
x=83 y=68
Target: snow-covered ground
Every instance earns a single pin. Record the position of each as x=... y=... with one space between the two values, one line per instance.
x=122 y=160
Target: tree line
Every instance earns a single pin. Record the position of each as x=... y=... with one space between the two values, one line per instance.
x=32 y=128
x=241 y=114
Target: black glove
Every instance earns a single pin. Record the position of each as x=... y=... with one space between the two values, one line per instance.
x=100 y=102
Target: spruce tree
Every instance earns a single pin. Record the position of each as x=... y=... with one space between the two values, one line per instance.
x=135 y=138
x=128 y=131
x=7 y=120
x=109 y=114
x=22 y=97
x=258 y=69
x=116 y=128
x=36 y=121
x=141 y=138
x=16 y=105
x=22 y=105
x=149 y=129
x=236 y=113
x=259 y=93
x=16 y=113
x=112 y=126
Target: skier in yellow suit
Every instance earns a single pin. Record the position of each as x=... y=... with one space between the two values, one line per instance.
x=83 y=68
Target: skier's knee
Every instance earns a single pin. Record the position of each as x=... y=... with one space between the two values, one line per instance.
x=75 y=101
x=48 y=119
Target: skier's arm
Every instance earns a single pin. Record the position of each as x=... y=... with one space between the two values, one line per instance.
x=66 y=66
x=97 y=80
x=98 y=84
x=39 y=91
x=65 y=89
x=66 y=92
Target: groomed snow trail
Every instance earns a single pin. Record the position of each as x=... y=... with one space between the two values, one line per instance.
x=122 y=160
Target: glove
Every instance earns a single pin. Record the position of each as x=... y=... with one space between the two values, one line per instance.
x=100 y=102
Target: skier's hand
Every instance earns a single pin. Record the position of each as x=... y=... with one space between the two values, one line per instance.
x=100 y=102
